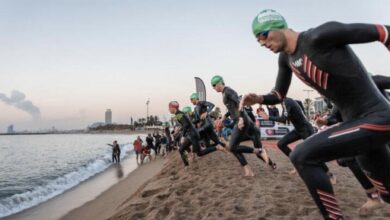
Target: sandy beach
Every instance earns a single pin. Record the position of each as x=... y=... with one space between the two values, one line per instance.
x=214 y=188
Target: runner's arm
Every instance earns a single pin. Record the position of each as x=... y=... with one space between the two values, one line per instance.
x=283 y=82
x=337 y=34
x=210 y=106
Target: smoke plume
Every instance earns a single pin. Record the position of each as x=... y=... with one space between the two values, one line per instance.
x=18 y=100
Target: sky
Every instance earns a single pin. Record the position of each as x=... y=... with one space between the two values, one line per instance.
x=73 y=59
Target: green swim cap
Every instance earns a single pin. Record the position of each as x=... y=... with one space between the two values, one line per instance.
x=187 y=109
x=194 y=96
x=268 y=20
x=216 y=79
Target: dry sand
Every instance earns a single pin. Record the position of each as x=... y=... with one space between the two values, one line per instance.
x=214 y=188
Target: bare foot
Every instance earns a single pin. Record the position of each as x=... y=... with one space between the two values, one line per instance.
x=370 y=206
x=220 y=148
x=293 y=172
x=332 y=178
x=248 y=171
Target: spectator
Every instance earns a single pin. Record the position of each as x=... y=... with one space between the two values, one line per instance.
x=157 y=141
x=150 y=144
x=138 y=147
x=116 y=152
x=164 y=143
x=146 y=153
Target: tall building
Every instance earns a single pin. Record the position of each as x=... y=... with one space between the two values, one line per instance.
x=10 y=129
x=108 y=116
x=320 y=105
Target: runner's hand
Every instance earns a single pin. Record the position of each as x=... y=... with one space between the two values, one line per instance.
x=264 y=115
x=241 y=123
x=249 y=99
x=321 y=121
x=203 y=116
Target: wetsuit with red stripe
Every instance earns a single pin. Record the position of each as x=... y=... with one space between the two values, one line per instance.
x=324 y=61
x=383 y=83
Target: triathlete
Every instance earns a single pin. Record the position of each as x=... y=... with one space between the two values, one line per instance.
x=244 y=128
x=322 y=58
x=190 y=135
x=203 y=121
x=373 y=201
x=303 y=129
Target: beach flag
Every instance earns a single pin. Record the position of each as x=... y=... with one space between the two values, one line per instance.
x=200 y=89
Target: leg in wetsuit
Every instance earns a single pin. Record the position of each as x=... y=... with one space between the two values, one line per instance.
x=293 y=136
x=194 y=141
x=352 y=164
x=362 y=138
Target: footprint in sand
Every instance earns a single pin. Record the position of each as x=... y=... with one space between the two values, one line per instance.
x=151 y=192
x=139 y=206
x=137 y=216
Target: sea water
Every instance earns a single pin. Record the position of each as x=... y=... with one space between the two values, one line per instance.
x=36 y=168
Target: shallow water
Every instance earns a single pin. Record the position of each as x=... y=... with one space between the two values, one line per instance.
x=35 y=168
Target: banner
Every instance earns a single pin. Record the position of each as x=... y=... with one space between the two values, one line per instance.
x=271 y=129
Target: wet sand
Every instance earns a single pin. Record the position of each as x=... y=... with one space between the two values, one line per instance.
x=107 y=204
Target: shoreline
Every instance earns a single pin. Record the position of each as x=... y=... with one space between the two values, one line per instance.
x=129 y=132
x=214 y=188
x=87 y=191
x=107 y=203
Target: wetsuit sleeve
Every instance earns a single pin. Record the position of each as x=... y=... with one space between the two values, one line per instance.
x=207 y=125
x=382 y=82
x=283 y=82
x=281 y=119
x=337 y=34
x=210 y=106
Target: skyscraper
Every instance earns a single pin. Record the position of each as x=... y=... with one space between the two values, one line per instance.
x=10 y=129
x=108 y=116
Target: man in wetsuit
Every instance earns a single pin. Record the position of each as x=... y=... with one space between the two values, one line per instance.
x=322 y=58
x=203 y=122
x=373 y=202
x=303 y=129
x=244 y=128
x=190 y=135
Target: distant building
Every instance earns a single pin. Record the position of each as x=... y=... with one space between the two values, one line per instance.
x=96 y=124
x=320 y=105
x=108 y=116
x=10 y=129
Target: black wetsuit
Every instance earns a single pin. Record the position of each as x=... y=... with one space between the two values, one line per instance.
x=382 y=82
x=191 y=137
x=157 y=138
x=206 y=129
x=150 y=143
x=250 y=131
x=303 y=129
x=324 y=61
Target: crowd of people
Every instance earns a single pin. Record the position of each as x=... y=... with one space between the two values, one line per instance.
x=359 y=126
